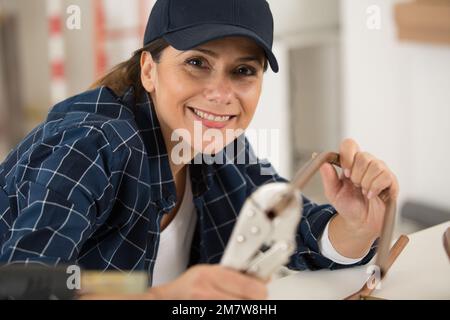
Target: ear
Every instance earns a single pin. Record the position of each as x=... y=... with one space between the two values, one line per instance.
x=148 y=71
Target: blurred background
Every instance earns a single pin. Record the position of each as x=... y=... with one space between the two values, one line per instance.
x=377 y=71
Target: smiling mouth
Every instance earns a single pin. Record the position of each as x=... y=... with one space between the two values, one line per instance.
x=210 y=116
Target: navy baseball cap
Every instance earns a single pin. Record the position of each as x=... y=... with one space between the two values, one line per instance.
x=186 y=24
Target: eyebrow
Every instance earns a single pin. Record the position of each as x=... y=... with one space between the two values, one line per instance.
x=216 y=55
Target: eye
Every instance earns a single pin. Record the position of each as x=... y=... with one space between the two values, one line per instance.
x=196 y=62
x=245 y=71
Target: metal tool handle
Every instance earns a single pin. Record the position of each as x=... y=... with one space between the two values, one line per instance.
x=255 y=229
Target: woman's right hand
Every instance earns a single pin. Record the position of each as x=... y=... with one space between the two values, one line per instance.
x=211 y=282
x=201 y=282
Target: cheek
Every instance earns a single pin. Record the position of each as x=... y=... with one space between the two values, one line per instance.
x=172 y=92
x=173 y=88
x=249 y=99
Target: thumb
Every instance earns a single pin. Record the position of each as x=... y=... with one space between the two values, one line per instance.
x=330 y=180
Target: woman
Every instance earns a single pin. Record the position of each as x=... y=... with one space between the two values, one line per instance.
x=101 y=183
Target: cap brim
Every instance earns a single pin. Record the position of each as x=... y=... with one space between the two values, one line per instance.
x=192 y=37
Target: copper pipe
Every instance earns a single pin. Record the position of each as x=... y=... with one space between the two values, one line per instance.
x=447 y=242
x=305 y=174
x=365 y=291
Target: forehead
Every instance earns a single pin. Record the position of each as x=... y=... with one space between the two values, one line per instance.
x=234 y=44
x=232 y=47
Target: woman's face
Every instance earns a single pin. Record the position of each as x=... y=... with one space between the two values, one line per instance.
x=212 y=89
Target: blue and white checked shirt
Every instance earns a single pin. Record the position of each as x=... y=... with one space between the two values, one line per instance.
x=90 y=185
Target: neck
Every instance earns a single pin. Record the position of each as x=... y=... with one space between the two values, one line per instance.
x=176 y=167
x=179 y=171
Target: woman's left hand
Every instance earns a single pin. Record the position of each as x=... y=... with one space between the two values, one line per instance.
x=356 y=194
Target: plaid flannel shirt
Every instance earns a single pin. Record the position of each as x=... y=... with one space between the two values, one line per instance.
x=90 y=185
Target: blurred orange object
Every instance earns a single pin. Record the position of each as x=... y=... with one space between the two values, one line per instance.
x=424 y=21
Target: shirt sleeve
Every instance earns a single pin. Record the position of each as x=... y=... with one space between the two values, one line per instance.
x=63 y=192
x=311 y=227
x=328 y=251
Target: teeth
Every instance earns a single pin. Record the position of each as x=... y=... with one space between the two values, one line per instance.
x=211 y=117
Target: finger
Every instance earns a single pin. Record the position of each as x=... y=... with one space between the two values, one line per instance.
x=330 y=180
x=243 y=286
x=101 y=297
x=360 y=166
x=375 y=168
x=220 y=295
x=394 y=188
x=239 y=285
x=382 y=182
x=212 y=293
x=347 y=152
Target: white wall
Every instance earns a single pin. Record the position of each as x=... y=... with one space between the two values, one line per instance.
x=273 y=114
x=397 y=101
x=299 y=16
x=298 y=24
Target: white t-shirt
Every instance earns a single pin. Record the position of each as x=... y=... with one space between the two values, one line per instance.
x=176 y=240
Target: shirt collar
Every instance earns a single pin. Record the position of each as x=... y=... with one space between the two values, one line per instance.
x=161 y=178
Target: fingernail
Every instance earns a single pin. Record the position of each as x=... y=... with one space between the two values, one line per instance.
x=364 y=191
x=347 y=173
x=370 y=195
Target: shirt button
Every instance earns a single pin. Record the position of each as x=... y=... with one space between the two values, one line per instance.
x=171 y=199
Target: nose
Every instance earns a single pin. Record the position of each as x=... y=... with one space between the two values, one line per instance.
x=219 y=91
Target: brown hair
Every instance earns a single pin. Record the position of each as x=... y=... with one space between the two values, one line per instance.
x=128 y=73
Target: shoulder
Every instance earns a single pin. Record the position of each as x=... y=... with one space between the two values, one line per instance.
x=86 y=137
x=101 y=111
